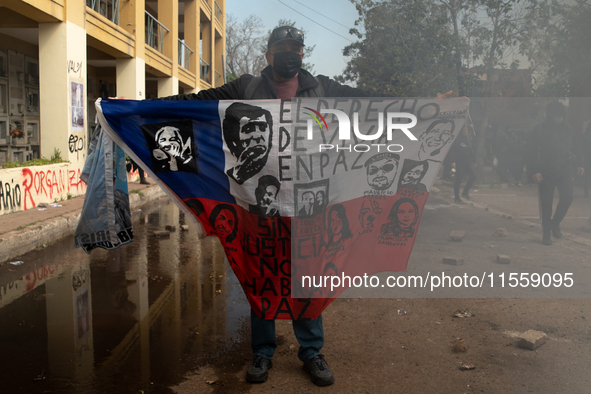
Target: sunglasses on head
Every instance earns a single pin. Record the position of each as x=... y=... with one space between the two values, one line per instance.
x=291 y=31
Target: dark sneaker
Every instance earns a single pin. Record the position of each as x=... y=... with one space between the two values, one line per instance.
x=467 y=197
x=258 y=372
x=547 y=238
x=556 y=232
x=458 y=200
x=144 y=182
x=319 y=372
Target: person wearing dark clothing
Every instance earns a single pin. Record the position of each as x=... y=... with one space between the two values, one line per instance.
x=552 y=161
x=463 y=160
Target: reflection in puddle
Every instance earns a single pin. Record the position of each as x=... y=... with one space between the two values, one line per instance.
x=120 y=321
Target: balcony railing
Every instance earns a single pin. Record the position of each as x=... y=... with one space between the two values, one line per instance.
x=204 y=70
x=155 y=33
x=184 y=54
x=218 y=11
x=218 y=79
x=107 y=8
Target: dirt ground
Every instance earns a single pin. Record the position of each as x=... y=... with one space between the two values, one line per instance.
x=373 y=349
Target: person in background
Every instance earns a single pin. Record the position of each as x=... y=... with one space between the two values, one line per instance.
x=552 y=161
x=464 y=162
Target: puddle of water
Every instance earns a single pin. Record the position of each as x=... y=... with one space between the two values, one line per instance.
x=133 y=319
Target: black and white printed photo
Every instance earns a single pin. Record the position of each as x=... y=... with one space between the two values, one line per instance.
x=381 y=170
x=266 y=197
x=438 y=134
x=224 y=220
x=171 y=145
x=248 y=132
x=77 y=107
x=412 y=174
x=402 y=219
x=311 y=199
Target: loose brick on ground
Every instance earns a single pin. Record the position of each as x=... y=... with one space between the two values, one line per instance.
x=532 y=339
x=503 y=259
x=457 y=235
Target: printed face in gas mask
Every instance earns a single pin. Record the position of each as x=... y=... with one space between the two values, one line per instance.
x=286 y=58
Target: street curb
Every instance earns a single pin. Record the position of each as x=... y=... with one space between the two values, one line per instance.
x=18 y=242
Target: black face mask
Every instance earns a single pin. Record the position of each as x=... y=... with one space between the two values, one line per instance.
x=287 y=64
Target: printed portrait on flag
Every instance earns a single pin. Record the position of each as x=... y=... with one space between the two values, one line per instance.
x=266 y=197
x=438 y=135
x=248 y=132
x=381 y=170
x=171 y=146
x=412 y=174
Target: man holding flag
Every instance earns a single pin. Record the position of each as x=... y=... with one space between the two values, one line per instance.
x=283 y=78
x=247 y=142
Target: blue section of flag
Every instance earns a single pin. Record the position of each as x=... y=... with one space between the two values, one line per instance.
x=126 y=118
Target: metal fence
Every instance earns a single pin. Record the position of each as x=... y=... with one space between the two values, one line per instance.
x=218 y=11
x=204 y=70
x=155 y=33
x=107 y=8
x=184 y=54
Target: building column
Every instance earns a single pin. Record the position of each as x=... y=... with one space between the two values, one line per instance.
x=131 y=73
x=168 y=15
x=131 y=78
x=62 y=80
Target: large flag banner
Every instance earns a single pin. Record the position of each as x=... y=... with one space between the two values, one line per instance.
x=297 y=190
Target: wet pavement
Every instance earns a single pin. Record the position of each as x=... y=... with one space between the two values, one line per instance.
x=131 y=320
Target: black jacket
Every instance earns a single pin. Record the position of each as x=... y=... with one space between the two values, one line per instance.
x=552 y=152
x=461 y=152
x=235 y=90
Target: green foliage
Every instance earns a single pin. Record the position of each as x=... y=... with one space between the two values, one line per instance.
x=36 y=162
x=56 y=158
x=406 y=48
x=137 y=191
x=68 y=196
x=57 y=155
x=559 y=48
x=230 y=76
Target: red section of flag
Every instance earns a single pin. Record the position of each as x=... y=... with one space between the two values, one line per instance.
x=366 y=235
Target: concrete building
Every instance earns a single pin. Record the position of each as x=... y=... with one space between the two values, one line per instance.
x=58 y=56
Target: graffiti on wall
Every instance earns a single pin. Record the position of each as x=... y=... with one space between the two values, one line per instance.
x=38 y=185
x=76 y=145
x=10 y=195
x=75 y=67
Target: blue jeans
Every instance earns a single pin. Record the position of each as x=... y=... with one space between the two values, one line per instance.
x=309 y=334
